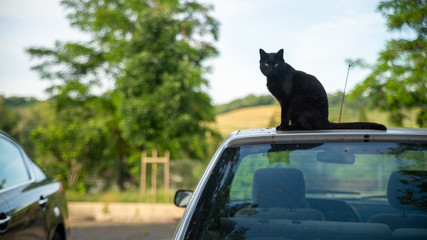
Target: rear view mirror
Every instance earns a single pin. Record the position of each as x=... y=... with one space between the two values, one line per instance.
x=335 y=157
x=182 y=198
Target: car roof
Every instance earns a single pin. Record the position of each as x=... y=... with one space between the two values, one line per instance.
x=270 y=135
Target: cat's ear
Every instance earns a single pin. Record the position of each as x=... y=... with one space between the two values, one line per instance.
x=279 y=54
x=262 y=54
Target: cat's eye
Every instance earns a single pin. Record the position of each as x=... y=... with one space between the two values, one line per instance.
x=276 y=65
x=266 y=64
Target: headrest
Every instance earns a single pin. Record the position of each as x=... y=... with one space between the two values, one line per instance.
x=279 y=188
x=407 y=190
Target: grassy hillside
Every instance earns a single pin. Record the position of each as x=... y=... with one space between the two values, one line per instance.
x=251 y=117
x=269 y=116
x=248 y=101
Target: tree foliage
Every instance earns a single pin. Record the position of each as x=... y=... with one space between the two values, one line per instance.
x=154 y=52
x=398 y=80
x=161 y=89
x=77 y=144
x=8 y=117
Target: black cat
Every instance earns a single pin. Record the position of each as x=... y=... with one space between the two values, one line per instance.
x=301 y=96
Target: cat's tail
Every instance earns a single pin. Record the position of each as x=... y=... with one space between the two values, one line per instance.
x=357 y=125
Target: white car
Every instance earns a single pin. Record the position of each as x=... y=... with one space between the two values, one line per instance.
x=331 y=184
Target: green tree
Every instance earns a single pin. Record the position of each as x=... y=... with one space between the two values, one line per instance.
x=76 y=146
x=8 y=118
x=398 y=80
x=18 y=118
x=161 y=88
x=154 y=52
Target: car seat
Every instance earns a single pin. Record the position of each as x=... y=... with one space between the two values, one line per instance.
x=280 y=193
x=406 y=191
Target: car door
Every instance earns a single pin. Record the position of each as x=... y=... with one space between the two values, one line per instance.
x=22 y=205
x=4 y=218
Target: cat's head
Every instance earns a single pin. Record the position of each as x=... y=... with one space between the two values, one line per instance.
x=271 y=64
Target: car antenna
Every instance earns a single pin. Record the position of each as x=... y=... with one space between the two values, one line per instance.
x=343 y=94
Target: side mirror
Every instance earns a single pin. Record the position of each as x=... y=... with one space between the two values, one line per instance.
x=336 y=157
x=182 y=198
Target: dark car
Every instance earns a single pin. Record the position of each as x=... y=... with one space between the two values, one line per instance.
x=32 y=205
x=331 y=184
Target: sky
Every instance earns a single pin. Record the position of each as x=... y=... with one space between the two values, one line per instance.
x=317 y=38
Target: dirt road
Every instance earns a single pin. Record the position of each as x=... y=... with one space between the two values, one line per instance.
x=122 y=231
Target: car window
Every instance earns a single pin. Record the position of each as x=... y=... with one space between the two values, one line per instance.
x=13 y=170
x=313 y=191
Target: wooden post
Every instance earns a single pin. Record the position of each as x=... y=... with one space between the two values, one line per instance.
x=143 y=175
x=154 y=160
x=154 y=176
x=167 y=176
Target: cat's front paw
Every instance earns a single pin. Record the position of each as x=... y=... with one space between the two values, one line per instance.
x=282 y=128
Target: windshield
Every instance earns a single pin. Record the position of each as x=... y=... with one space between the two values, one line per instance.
x=366 y=190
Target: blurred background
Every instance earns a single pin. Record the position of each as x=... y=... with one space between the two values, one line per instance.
x=86 y=86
